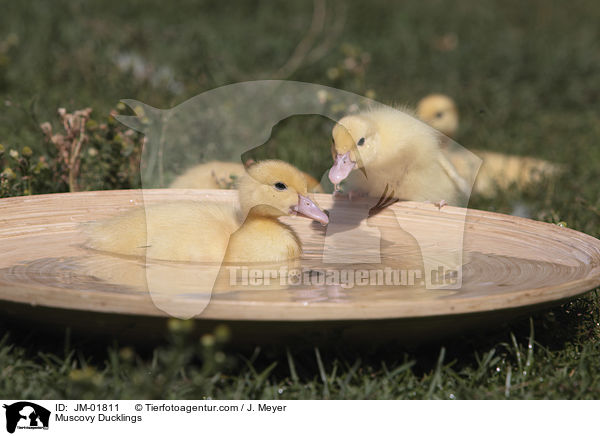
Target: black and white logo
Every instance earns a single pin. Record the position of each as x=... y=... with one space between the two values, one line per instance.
x=26 y=415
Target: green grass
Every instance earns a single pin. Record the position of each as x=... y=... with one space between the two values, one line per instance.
x=555 y=354
x=527 y=81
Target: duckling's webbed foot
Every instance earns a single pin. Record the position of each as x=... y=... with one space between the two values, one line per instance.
x=439 y=204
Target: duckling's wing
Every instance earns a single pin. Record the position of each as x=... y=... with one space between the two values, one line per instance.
x=123 y=234
x=189 y=231
x=184 y=244
x=182 y=231
x=451 y=172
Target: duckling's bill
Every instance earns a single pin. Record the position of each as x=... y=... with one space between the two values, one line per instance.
x=341 y=168
x=309 y=209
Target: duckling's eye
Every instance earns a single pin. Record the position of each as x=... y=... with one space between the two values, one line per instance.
x=439 y=114
x=361 y=141
x=280 y=186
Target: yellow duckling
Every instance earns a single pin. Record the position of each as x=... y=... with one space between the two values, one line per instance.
x=189 y=231
x=400 y=155
x=440 y=112
x=223 y=175
x=210 y=175
x=498 y=170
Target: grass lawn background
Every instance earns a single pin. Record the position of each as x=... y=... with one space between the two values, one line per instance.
x=526 y=77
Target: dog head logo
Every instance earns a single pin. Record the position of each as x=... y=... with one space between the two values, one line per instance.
x=225 y=123
x=26 y=415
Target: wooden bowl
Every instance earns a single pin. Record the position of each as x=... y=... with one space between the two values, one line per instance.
x=509 y=266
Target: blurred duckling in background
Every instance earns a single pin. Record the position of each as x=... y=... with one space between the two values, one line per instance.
x=210 y=175
x=400 y=155
x=223 y=175
x=440 y=112
x=189 y=231
x=498 y=170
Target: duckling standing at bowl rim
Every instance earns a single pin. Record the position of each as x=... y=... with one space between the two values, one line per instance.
x=223 y=175
x=192 y=231
x=400 y=155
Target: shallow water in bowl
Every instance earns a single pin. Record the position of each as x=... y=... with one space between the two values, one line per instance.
x=505 y=262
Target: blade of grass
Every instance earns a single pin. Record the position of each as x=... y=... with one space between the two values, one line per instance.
x=322 y=373
x=437 y=375
x=292 y=366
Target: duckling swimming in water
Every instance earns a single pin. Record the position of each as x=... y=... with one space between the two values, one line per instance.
x=190 y=231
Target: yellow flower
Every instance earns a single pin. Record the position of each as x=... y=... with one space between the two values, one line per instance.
x=8 y=173
x=207 y=340
x=180 y=325
x=139 y=111
x=87 y=374
x=91 y=124
x=127 y=354
x=222 y=333
x=322 y=96
x=333 y=73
